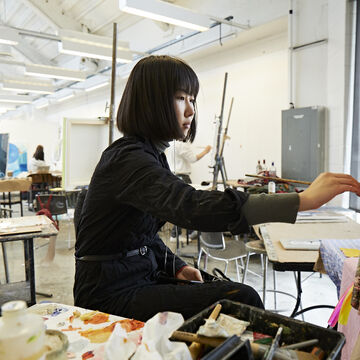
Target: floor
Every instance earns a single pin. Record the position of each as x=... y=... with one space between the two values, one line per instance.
x=57 y=276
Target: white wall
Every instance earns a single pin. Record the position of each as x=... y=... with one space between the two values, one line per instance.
x=257 y=79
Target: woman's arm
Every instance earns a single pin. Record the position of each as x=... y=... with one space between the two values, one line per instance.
x=325 y=187
x=203 y=153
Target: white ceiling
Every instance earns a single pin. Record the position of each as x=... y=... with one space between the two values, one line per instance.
x=97 y=17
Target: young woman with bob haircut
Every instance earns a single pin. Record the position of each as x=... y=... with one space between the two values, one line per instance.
x=132 y=193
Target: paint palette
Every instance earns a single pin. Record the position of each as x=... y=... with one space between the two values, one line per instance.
x=87 y=330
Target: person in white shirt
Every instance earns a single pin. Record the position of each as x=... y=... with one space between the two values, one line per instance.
x=38 y=159
x=181 y=155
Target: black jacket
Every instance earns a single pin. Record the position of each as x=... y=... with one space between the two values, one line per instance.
x=131 y=195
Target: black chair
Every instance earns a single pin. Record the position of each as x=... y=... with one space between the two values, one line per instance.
x=8 y=200
x=56 y=204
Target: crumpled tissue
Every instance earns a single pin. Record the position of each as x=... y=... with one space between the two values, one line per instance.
x=121 y=345
x=155 y=343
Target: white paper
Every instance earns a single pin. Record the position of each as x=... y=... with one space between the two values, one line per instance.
x=224 y=326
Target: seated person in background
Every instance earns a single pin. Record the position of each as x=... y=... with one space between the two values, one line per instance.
x=37 y=161
x=180 y=156
x=132 y=193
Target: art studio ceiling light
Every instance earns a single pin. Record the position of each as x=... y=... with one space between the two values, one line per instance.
x=9 y=36
x=93 y=46
x=17 y=99
x=28 y=85
x=43 y=105
x=7 y=108
x=64 y=98
x=54 y=72
x=97 y=86
x=165 y=12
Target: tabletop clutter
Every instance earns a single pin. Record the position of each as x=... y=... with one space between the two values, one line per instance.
x=51 y=331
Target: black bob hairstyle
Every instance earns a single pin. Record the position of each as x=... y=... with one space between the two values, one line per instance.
x=147 y=105
x=39 y=153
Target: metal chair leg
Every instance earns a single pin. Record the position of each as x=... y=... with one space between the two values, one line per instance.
x=264 y=278
x=246 y=266
x=237 y=270
x=5 y=262
x=205 y=261
x=199 y=259
x=274 y=282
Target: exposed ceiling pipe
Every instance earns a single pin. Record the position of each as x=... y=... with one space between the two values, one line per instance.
x=108 y=68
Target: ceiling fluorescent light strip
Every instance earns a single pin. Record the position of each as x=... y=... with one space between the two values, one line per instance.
x=42 y=106
x=29 y=86
x=6 y=108
x=9 y=36
x=18 y=99
x=97 y=86
x=92 y=40
x=79 y=49
x=65 y=98
x=53 y=72
x=165 y=12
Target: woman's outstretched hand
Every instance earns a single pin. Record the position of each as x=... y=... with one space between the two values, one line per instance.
x=189 y=273
x=325 y=187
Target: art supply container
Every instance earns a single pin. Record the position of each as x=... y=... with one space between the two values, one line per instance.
x=22 y=334
x=266 y=322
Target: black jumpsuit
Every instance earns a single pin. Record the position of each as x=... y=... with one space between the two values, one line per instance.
x=131 y=195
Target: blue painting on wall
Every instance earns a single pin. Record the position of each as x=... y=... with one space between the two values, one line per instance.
x=17 y=159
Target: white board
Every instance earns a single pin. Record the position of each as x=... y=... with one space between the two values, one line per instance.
x=83 y=142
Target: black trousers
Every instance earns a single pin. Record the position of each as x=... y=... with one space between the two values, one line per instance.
x=144 y=302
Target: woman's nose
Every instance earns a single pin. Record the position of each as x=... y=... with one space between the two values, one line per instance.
x=189 y=111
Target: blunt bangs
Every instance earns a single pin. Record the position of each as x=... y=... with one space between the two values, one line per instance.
x=147 y=105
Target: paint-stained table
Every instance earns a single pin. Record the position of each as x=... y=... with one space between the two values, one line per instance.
x=87 y=338
x=23 y=229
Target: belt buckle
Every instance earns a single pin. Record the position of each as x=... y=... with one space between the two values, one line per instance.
x=143 y=250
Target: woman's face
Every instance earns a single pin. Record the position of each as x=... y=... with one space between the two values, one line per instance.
x=184 y=109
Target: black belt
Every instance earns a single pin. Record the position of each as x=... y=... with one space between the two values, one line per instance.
x=141 y=251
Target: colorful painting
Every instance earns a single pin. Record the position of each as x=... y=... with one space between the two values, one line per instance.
x=17 y=159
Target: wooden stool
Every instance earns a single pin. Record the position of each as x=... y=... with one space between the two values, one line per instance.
x=258 y=247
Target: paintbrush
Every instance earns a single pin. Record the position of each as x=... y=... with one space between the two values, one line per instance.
x=196 y=348
x=301 y=344
x=275 y=344
x=258 y=349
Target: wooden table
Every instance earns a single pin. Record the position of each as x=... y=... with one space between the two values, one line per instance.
x=23 y=229
x=12 y=185
x=66 y=318
x=301 y=260
x=8 y=185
